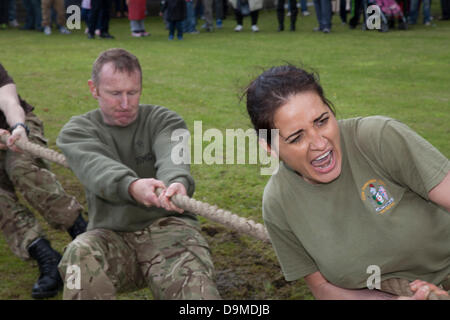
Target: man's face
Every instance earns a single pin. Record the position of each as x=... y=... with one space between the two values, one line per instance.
x=309 y=138
x=118 y=95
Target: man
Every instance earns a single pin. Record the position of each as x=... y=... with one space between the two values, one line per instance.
x=30 y=176
x=357 y=8
x=445 y=7
x=59 y=7
x=208 y=6
x=99 y=17
x=121 y=152
x=323 y=14
x=293 y=14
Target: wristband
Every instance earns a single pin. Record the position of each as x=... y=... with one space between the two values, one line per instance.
x=23 y=125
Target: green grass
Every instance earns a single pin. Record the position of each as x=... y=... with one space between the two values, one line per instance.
x=401 y=74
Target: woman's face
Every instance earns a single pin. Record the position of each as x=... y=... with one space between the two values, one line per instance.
x=309 y=138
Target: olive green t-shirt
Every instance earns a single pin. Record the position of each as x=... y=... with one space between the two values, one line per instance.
x=377 y=212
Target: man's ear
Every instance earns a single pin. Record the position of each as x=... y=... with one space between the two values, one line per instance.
x=263 y=143
x=93 y=89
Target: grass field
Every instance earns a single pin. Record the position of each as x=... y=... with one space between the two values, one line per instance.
x=401 y=74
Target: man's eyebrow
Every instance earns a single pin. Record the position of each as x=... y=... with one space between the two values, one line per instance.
x=315 y=120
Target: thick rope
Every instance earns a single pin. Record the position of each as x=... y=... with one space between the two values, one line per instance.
x=213 y=213
x=227 y=218
x=38 y=151
x=395 y=286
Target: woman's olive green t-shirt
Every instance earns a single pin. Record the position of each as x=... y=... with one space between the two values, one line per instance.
x=376 y=213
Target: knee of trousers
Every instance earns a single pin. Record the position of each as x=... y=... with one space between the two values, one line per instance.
x=83 y=269
x=20 y=228
x=189 y=276
x=97 y=265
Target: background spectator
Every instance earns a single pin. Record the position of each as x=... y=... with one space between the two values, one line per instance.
x=293 y=14
x=120 y=8
x=208 y=6
x=99 y=16
x=175 y=13
x=190 y=23
x=244 y=8
x=445 y=6
x=323 y=13
x=3 y=13
x=356 y=9
x=58 y=5
x=136 y=14
x=414 y=12
x=12 y=14
x=33 y=19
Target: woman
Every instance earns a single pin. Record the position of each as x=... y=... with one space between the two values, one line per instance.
x=349 y=194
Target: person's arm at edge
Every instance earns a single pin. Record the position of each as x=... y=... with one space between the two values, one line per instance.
x=14 y=113
x=10 y=105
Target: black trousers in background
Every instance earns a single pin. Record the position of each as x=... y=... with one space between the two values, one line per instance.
x=280 y=11
x=102 y=20
x=240 y=17
x=292 y=4
x=357 y=8
x=4 y=5
x=445 y=5
x=342 y=11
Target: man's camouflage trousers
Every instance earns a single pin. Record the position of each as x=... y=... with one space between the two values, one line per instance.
x=32 y=178
x=170 y=256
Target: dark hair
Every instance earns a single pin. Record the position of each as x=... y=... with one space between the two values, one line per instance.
x=122 y=60
x=273 y=88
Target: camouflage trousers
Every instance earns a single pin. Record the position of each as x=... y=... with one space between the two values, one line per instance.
x=32 y=178
x=170 y=256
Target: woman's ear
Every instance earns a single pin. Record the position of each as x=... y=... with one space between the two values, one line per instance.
x=263 y=143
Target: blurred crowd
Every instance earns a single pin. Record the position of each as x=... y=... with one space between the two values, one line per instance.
x=194 y=16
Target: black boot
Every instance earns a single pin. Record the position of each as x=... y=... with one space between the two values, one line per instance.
x=293 y=20
x=49 y=281
x=280 y=16
x=78 y=227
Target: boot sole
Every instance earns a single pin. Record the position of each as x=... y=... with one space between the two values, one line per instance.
x=47 y=294
x=43 y=295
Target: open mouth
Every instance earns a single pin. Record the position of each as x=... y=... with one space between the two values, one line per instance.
x=325 y=162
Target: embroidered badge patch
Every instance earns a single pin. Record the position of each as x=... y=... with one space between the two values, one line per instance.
x=375 y=192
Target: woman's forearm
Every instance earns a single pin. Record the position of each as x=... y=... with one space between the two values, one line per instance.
x=328 y=291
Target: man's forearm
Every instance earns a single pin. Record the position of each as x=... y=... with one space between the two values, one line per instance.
x=10 y=105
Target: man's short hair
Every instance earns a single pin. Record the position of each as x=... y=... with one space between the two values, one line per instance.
x=122 y=60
